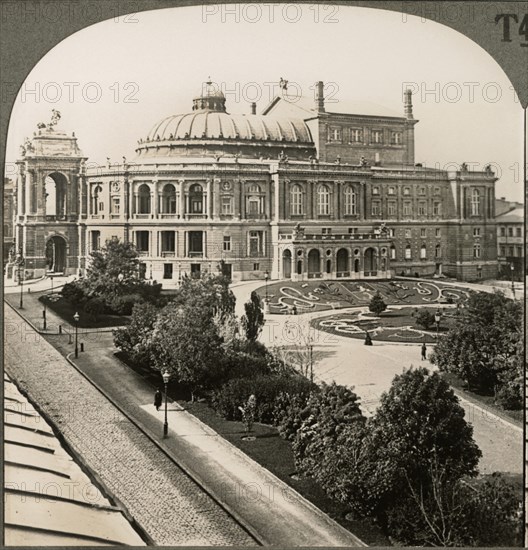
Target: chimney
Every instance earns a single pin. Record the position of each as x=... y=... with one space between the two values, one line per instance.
x=319 y=97
x=253 y=108
x=407 y=104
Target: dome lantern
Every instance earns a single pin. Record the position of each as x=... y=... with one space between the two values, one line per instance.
x=210 y=98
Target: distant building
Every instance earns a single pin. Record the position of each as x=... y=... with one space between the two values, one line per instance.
x=8 y=220
x=299 y=191
x=510 y=238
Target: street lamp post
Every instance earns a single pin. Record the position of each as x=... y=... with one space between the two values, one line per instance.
x=76 y=319
x=44 y=313
x=166 y=377
x=21 y=264
x=266 y=278
x=437 y=321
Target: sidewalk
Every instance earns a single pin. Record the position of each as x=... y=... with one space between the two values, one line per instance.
x=272 y=511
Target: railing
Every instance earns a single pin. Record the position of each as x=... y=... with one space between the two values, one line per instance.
x=349 y=237
x=168 y=254
x=142 y=216
x=143 y=253
x=370 y=273
x=343 y=274
x=54 y=218
x=165 y=216
x=193 y=254
x=314 y=275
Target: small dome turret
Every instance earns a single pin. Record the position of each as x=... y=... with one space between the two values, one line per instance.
x=210 y=98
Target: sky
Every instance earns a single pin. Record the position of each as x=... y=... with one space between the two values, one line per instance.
x=114 y=80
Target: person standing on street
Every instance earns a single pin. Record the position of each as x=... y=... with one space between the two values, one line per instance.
x=424 y=351
x=158 y=399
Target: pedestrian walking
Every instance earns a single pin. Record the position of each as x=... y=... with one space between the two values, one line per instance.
x=368 y=339
x=424 y=351
x=158 y=399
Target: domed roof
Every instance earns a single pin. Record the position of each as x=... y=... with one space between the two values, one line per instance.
x=218 y=125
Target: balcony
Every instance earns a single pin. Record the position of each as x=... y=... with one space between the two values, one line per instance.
x=168 y=254
x=169 y=216
x=194 y=254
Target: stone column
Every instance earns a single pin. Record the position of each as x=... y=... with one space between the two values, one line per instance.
x=27 y=186
x=154 y=201
x=181 y=199
x=208 y=203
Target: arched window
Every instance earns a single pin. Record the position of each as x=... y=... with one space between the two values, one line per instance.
x=475 y=202
x=96 y=194
x=350 y=201
x=323 y=201
x=296 y=200
x=168 y=199
x=392 y=252
x=144 y=199
x=408 y=253
x=254 y=201
x=423 y=252
x=196 y=199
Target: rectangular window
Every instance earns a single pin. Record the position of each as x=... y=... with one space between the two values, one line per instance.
x=476 y=251
x=227 y=243
x=423 y=232
x=510 y=250
x=422 y=209
x=334 y=134
x=96 y=240
x=407 y=209
x=503 y=232
x=396 y=138
x=356 y=135
x=503 y=251
x=438 y=232
x=519 y=251
x=115 y=205
x=391 y=232
x=376 y=208
x=391 y=191
x=408 y=255
x=195 y=244
x=510 y=231
x=167 y=271
x=519 y=231
x=392 y=253
x=407 y=233
x=256 y=239
x=375 y=190
x=256 y=267
x=227 y=206
x=327 y=230
x=437 y=209
x=142 y=241
x=391 y=208
x=377 y=136
x=423 y=253
x=476 y=232
x=168 y=242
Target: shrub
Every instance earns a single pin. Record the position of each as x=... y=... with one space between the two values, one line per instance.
x=510 y=395
x=123 y=305
x=94 y=306
x=377 y=305
x=73 y=293
x=230 y=396
x=424 y=318
x=288 y=411
x=245 y=365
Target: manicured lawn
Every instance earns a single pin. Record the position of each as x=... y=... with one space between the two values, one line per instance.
x=319 y=295
x=66 y=311
x=393 y=325
x=486 y=401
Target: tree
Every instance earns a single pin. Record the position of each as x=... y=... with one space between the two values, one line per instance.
x=210 y=293
x=327 y=412
x=484 y=348
x=185 y=341
x=253 y=320
x=377 y=305
x=424 y=318
x=135 y=338
x=420 y=423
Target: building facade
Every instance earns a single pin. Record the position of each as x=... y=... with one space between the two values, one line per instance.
x=298 y=192
x=510 y=239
